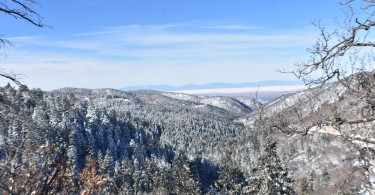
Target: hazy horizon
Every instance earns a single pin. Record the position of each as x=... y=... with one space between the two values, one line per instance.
x=126 y=43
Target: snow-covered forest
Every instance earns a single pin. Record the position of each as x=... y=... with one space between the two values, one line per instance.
x=149 y=142
x=106 y=141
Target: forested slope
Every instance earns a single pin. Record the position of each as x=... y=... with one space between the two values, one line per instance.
x=147 y=142
x=143 y=141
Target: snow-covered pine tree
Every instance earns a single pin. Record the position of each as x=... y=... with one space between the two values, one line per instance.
x=231 y=179
x=190 y=184
x=269 y=176
x=324 y=180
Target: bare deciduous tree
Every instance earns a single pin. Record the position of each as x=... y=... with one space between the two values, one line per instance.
x=344 y=50
x=22 y=10
x=344 y=54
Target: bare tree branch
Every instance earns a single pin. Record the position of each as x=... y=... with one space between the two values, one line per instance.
x=23 y=10
x=14 y=78
x=332 y=50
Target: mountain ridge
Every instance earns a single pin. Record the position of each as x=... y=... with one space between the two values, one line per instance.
x=148 y=130
x=216 y=85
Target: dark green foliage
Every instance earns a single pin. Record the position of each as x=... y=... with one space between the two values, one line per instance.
x=269 y=176
x=113 y=147
x=183 y=178
x=304 y=186
x=115 y=142
x=325 y=177
x=231 y=179
x=312 y=178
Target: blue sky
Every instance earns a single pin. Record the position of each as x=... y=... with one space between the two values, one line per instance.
x=119 y=43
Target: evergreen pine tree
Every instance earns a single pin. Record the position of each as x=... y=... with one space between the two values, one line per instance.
x=304 y=187
x=176 y=175
x=108 y=163
x=183 y=178
x=312 y=179
x=231 y=179
x=269 y=176
x=190 y=185
x=325 y=177
x=127 y=169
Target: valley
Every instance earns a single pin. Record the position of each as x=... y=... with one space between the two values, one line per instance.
x=211 y=138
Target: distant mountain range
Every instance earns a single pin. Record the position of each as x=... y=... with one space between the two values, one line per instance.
x=218 y=85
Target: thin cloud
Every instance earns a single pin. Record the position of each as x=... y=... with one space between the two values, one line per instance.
x=146 y=54
x=125 y=40
x=233 y=27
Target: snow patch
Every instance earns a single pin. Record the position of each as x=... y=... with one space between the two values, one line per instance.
x=325 y=129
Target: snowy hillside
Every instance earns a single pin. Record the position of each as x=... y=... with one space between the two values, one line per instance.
x=227 y=103
x=151 y=142
x=323 y=128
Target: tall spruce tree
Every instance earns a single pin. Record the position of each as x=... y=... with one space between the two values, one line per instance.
x=231 y=178
x=269 y=175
